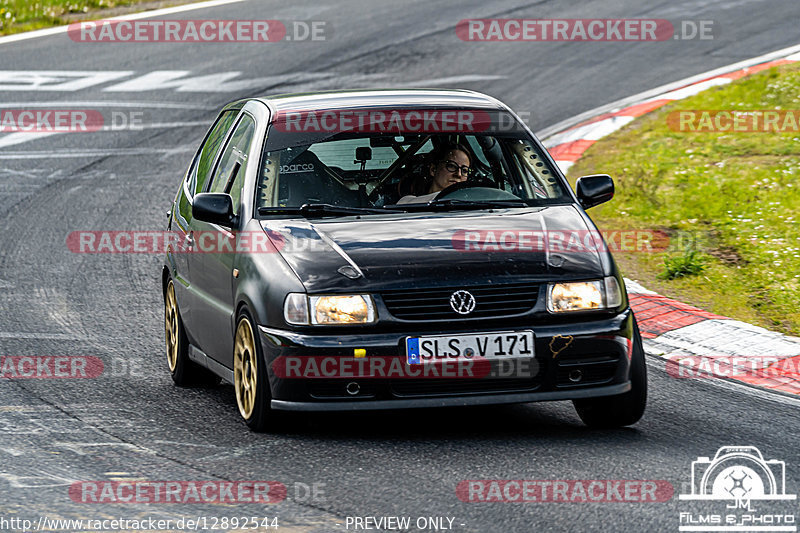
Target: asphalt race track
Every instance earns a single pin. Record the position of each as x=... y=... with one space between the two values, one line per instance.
x=131 y=423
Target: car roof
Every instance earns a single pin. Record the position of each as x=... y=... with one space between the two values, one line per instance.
x=376 y=98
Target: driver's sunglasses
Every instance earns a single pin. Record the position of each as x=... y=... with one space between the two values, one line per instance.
x=452 y=166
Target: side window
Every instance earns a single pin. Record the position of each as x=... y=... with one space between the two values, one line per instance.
x=202 y=169
x=230 y=172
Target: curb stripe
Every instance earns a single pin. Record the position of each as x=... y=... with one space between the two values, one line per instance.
x=658 y=314
x=691 y=90
x=571 y=151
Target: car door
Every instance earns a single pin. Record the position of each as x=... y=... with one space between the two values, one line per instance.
x=195 y=181
x=217 y=245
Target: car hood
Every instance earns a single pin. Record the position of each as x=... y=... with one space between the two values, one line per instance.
x=435 y=249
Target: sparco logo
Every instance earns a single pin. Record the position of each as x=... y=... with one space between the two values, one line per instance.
x=301 y=167
x=462 y=302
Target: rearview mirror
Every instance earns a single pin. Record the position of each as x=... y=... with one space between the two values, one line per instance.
x=363 y=153
x=215 y=208
x=594 y=190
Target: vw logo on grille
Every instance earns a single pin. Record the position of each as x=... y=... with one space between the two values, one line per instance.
x=462 y=302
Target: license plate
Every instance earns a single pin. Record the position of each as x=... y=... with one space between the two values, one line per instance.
x=498 y=345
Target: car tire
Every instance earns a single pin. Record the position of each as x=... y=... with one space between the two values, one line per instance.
x=250 y=376
x=622 y=409
x=184 y=372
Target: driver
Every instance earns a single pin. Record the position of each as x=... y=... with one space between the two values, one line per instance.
x=450 y=164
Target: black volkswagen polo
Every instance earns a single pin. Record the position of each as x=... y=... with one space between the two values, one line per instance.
x=394 y=249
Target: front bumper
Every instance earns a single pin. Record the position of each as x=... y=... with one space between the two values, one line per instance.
x=581 y=359
x=451 y=401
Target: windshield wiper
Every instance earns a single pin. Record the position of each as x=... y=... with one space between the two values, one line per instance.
x=314 y=210
x=454 y=204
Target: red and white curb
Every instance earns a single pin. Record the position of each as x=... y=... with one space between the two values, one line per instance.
x=696 y=343
x=699 y=344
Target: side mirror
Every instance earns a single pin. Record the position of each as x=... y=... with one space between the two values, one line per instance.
x=594 y=190
x=214 y=207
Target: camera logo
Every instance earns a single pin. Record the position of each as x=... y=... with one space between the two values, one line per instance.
x=738 y=473
x=729 y=484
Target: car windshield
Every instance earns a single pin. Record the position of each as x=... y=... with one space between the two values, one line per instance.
x=365 y=160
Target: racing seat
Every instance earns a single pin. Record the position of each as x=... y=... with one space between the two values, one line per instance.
x=304 y=180
x=414 y=181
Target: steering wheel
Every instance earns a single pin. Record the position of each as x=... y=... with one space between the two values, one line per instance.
x=475 y=182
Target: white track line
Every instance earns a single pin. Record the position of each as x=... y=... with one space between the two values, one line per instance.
x=133 y=16
x=53 y=154
x=159 y=125
x=21 y=137
x=466 y=78
x=58 y=104
x=43 y=336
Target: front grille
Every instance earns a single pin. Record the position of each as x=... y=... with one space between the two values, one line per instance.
x=434 y=303
x=445 y=387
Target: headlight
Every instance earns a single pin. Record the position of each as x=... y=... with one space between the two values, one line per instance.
x=328 y=310
x=584 y=295
x=355 y=309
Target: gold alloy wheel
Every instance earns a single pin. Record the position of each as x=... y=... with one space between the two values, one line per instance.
x=245 y=368
x=171 y=326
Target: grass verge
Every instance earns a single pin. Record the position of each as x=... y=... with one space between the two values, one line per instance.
x=730 y=201
x=17 y=16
